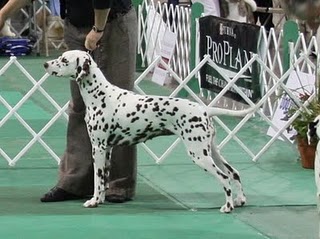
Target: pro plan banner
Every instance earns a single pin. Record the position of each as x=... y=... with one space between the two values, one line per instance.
x=230 y=45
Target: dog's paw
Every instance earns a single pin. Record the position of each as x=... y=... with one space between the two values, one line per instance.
x=93 y=202
x=102 y=197
x=239 y=201
x=226 y=208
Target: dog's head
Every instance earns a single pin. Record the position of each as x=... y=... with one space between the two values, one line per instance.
x=313 y=129
x=75 y=64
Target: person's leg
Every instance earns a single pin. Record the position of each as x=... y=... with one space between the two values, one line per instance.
x=116 y=57
x=76 y=169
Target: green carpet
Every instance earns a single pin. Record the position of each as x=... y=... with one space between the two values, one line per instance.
x=173 y=200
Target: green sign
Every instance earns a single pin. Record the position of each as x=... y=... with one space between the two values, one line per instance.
x=230 y=45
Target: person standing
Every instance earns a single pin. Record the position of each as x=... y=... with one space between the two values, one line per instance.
x=108 y=29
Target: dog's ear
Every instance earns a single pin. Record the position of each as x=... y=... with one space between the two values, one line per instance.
x=313 y=129
x=83 y=69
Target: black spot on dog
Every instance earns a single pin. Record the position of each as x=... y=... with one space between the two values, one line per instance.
x=156 y=108
x=228 y=191
x=101 y=93
x=205 y=152
x=222 y=175
x=135 y=119
x=138 y=107
x=236 y=177
x=228 y=167
x=99 y=174
x=195 y=119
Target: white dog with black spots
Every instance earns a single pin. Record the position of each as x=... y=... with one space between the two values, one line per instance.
x=116 y=116
x=314 y=131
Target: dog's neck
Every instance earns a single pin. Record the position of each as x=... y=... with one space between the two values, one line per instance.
x=96 y=84
x=93 y=79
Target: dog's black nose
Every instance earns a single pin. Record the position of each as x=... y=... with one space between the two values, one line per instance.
x=46 y=65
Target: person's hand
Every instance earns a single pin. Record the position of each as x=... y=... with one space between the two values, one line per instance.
x=2 y=20
x=92 y=40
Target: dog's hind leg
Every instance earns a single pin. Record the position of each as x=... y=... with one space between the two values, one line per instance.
x=99 y=166
x=317 y=179
x=233 y=174
x=202 y=158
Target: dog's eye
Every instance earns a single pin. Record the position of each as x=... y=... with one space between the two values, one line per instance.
x=64 y=60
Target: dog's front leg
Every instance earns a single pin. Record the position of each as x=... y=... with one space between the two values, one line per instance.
x=107 y=168
x=99 y=177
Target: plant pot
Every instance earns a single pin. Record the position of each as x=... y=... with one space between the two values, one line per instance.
x=307 y=153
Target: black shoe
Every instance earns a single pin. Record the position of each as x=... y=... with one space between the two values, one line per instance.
x=117 y=198
x=57 y=195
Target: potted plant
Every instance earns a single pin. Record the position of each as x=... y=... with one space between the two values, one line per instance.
x=300 y=124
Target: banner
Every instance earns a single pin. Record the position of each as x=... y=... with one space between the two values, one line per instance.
x=230 y=45
x=168 y=43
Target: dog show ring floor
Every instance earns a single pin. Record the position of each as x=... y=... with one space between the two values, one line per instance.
x=173 y=200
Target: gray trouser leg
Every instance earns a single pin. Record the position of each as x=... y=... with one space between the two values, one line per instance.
x=116 y=58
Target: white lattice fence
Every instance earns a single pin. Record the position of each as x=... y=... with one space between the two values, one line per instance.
x=153 y=21
x=40 y=24
x=272 y=84
x=15 y=107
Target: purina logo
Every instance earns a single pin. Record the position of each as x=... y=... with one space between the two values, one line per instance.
x=225 y=30
x=231 y=46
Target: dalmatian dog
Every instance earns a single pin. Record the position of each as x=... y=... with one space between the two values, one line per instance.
x=116 y=116
x=314 y=131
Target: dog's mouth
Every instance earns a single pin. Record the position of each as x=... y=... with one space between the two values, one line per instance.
x=49 y=69
x=57 y=73
x=53 y=73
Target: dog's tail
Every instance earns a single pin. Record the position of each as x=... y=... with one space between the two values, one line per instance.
x=252 y=4
x=213 y=111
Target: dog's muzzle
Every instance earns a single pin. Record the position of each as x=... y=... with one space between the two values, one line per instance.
x=46 y=67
